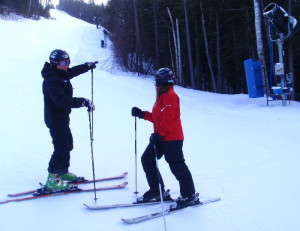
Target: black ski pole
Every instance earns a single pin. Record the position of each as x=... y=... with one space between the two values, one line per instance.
x=92 y=92
x=92 y=152
x=91 y=119
x=160 y=187
x=135 y=148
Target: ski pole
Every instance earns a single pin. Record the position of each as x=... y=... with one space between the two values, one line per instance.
x=92 y=92
x=160 y=187
x=135 y=142
x=91 y=120
x=92 y=152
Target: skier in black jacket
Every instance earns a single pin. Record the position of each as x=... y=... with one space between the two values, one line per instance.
x=58 y=102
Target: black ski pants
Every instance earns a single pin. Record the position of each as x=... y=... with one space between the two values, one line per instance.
x=172 y=151
x=62 y=140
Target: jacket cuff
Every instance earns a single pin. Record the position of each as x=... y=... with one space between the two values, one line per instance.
x=78 y=102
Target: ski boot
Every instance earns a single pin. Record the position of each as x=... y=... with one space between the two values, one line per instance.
x=182 y=202
x=54 y=182
x=68 y=177
x=151 y=196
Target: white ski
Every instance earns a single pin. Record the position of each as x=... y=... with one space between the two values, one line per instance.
x=139 y=202
x=134 y=204
x=136 y=220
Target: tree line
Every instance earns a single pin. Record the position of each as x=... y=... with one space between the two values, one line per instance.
x=89 y=12
x=204 y=41
x=27 y=8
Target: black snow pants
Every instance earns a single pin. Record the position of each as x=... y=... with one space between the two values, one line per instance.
x=172 y=151
x=63 y=143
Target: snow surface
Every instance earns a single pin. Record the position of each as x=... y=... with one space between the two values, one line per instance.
x=236 y=148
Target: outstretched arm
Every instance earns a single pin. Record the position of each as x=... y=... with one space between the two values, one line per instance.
x=80 y=69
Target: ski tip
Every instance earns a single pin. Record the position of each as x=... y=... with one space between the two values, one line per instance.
x=217 y=199
x=124 y=184
x=132 y=220
x=90 y=207
x=87 y=206
x=20 y=194
x=12 y=195
x=127 y=221
x=209 y=200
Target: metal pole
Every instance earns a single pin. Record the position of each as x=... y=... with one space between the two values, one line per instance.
x=91 y=120
x=92 y=93
x=92 y=152
x=135 y=148
x=92 y=98
x=283 y=80
x=160 y=188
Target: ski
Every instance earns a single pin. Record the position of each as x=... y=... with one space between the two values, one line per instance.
x=166 y=212
x=59 y=193
x=134 y=204
x=139 y=202
x=80 y=180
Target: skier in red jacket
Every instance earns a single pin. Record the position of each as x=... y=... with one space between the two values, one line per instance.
x=166 y=140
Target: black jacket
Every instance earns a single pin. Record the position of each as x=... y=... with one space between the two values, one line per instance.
x=58 y=94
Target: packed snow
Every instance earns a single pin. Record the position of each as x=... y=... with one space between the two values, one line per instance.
x=237 y=148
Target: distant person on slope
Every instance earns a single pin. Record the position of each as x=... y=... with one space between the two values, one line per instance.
x=58 y=102
x=166 y=140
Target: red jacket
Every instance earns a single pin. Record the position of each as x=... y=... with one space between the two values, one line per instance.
x=165 y=116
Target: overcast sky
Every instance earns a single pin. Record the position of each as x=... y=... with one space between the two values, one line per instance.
x=55 y=2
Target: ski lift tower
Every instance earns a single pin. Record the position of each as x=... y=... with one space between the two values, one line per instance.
x=280 y=27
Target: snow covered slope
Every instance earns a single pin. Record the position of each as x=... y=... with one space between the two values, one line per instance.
x=236 y=148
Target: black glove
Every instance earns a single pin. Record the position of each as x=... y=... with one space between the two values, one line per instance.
x=155 y=137
x=136 y=112
x=89 y=104
x=91 y=65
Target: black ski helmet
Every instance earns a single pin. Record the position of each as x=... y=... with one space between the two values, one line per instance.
x=58 y=55
x=164 y=77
